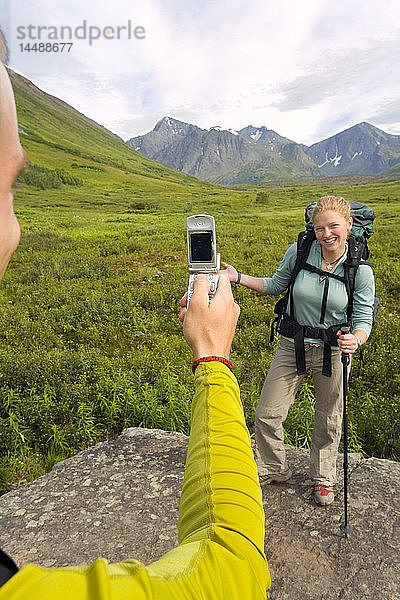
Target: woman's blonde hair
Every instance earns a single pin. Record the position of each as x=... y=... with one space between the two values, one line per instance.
x=335 y=203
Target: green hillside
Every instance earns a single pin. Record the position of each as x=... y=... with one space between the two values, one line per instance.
x=90 y=342
x=56 y=136
x=54 y=131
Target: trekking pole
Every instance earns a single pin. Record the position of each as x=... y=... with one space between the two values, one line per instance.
x=345 y=360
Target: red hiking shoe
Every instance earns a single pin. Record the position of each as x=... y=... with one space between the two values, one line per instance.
x=323 y=494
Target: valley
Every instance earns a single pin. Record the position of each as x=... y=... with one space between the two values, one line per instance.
x=91 y=342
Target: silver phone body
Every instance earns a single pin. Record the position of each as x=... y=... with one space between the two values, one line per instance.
x=202 y=251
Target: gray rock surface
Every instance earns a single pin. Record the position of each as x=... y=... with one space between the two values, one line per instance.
x=120 y=499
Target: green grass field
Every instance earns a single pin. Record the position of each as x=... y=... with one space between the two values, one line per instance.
x=91 y=341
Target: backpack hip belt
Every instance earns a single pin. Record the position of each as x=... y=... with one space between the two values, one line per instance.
x=290 y=328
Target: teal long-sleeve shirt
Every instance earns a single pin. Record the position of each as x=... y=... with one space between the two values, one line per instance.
x=309 y=287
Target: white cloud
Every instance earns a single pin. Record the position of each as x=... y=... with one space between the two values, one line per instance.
x=302 y=69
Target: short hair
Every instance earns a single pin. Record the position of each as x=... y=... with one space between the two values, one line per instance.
x=335 y=203
x=3 y=49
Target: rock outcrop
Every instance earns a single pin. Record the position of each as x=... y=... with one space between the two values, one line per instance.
x=120 y=499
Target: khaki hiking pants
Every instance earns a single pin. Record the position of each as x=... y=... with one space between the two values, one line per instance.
x=277 y=396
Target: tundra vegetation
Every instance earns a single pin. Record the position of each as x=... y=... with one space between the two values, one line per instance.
x=90 y=339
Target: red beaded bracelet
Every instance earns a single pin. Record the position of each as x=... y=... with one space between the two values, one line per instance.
x=221 y=359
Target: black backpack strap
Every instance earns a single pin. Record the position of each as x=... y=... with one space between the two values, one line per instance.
x=301 y=355
x=299 y=349
x=350 y=277
x=304 y=241
x=327 y=361
x=290 y=328
x=324 y=301
x=279 y=310
x=8 y=568
x=355 y=253
x=308 y=267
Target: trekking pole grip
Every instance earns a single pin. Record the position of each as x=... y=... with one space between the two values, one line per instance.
x=345 y=357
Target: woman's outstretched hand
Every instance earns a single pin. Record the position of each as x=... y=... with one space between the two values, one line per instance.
x=230 y=271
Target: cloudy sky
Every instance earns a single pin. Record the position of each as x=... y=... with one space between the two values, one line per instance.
x=305 y=69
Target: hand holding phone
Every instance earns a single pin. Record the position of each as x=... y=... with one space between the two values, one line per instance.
x=209 y=327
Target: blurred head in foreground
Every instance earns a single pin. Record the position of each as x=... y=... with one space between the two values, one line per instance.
x=3 y=49
x=13 y=160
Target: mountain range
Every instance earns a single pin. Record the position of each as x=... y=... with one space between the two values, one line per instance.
x=257 y=154
x=56 y=135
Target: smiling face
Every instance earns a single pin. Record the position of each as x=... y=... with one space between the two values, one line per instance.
x=331 y=230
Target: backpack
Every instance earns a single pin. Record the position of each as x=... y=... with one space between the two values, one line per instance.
x=357 y=253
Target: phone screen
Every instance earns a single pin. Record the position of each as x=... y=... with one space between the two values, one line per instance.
x=201 y=246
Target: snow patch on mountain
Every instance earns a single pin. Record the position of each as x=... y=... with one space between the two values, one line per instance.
x=219 y=128
x=256 y=136
x=335 y=160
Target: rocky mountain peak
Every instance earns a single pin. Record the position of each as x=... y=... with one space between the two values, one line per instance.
x=170 y=125
x=221 y=129
x=225 y=156
x=263 y=133
x=362 y=149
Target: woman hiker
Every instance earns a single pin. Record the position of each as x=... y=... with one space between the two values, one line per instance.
x=332 y=223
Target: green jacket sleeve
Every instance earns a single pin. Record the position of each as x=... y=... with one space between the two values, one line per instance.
x=221 y=521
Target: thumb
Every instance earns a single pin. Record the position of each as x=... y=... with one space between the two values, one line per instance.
x=201 y=287
x=224 y=284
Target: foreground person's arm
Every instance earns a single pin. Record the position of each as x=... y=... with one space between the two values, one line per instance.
x=221 y=500
x=221 y=520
